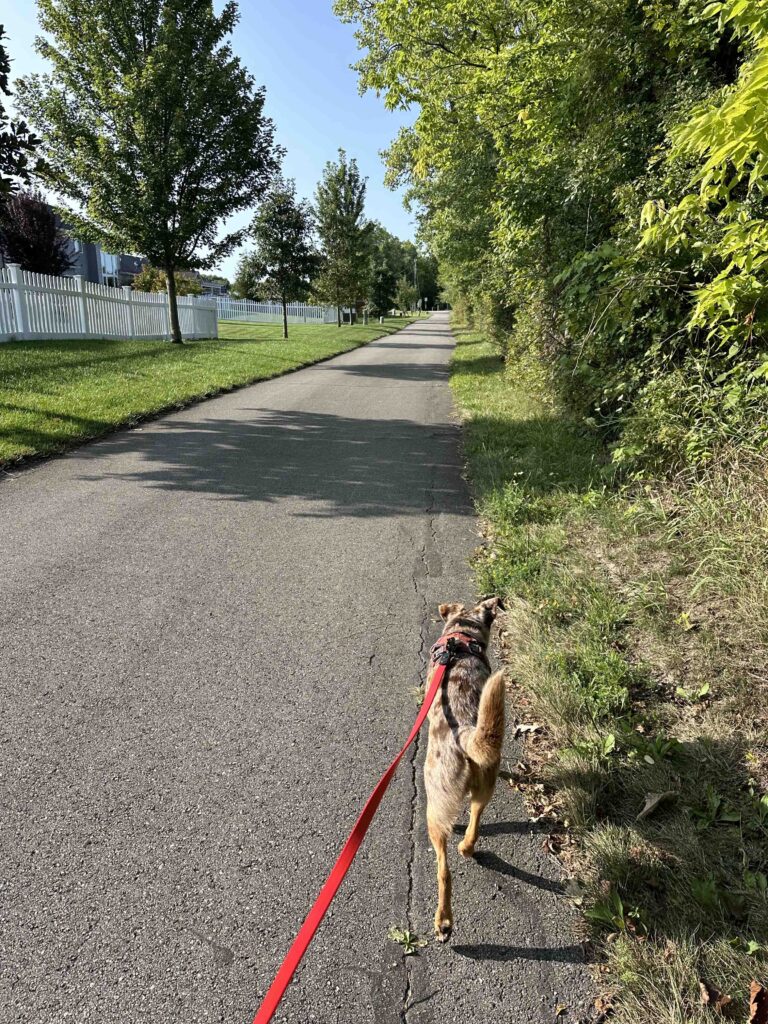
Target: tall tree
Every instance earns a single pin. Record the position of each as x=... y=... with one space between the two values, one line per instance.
x=17 y=142
x=344 y=233
x=284 y=258
x=152 y=129
x=31 y=235
x=386 y=267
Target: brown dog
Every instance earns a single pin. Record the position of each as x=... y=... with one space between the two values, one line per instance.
x=466 y=731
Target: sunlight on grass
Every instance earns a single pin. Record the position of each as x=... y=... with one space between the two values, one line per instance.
x=54 y=394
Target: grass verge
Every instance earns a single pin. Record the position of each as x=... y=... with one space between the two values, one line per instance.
x=56 y=394
x=637 y=637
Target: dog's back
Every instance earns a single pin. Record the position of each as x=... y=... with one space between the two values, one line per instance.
x=466 y=732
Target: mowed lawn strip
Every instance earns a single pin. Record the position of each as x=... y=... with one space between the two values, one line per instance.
x=55 y=394
x=636 y=638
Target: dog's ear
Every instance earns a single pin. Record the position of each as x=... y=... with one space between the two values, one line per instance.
x=490 y=608
x=447 y=611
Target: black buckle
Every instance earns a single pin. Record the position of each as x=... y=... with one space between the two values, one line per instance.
x=446 y=654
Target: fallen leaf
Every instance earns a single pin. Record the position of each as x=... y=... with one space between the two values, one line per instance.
x=603 y=1008
x=758 y=1004
x=713 y=998
x=561 y=1010
x=653 y=801
x=554 y=843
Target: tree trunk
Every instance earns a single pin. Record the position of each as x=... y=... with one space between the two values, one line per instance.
x=338 y=314
x=173 y=309
x=285 y=317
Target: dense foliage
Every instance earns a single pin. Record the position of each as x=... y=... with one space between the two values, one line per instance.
x=17 y=142
x=592 y=177
x=152 y=129
x=31 y=235
x=392 y=261
x=153 y=279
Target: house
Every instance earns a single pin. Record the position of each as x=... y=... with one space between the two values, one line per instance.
x=96 y=265
x=100 y=267
x=217 y=286
x=91 y=262
x=130 y=266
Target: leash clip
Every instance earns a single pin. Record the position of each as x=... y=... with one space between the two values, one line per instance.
x=447 y=653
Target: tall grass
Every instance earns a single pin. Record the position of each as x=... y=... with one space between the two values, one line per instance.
x=637 y=633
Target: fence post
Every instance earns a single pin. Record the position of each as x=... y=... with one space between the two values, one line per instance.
x=127 y=293
x=19 y=301
x=83 y=303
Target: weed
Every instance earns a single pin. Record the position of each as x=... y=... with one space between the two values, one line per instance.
x=611 y=913
x=410 y=943
x=692 y=696
x=715 y=810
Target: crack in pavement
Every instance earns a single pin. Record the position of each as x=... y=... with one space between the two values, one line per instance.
x=425 y=573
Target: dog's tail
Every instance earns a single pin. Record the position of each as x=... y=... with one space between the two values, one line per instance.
x=482 y=744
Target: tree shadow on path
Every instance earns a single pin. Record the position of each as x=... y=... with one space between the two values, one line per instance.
x=345 y=465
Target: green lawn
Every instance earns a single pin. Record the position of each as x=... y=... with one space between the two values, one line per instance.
x=55 y=394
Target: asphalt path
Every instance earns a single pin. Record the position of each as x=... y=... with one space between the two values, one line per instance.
x=212 y=629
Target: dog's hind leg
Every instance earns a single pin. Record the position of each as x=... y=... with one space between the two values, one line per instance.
x=480 y=796
x=444 y=914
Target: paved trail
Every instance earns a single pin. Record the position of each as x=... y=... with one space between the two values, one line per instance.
x=211 y=632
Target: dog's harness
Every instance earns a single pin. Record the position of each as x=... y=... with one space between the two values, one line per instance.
x=452 y=646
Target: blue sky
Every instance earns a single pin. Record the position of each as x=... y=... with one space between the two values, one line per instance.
x=301 y=53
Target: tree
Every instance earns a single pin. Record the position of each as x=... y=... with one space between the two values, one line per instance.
x=17 y=142
x=386 y=266
x=344 y=234
x=392 y=259
x=543 y=131
x=284 y=254
x=153 y=279
x=152 y=129
x=406 y=295
x=31 y=235
x=249 y=280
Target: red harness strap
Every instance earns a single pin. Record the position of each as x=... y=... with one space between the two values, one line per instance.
x=443 y=654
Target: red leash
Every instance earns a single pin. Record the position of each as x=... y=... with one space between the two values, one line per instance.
x=444 y=652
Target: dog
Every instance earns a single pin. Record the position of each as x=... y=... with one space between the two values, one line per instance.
x=466 y=732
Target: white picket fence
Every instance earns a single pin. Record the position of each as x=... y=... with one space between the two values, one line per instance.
x=37 y=306
x=272 y=312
